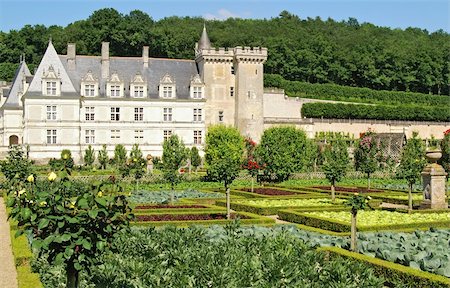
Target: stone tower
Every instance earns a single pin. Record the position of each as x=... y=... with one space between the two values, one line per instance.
x=234 y=85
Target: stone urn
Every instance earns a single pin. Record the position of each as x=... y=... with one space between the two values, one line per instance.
x=433 y=155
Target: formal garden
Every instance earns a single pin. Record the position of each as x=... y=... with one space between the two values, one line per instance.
x=286 y=212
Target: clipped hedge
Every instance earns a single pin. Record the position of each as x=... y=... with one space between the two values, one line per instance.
x=376 y=112
x=352 y=94
x=339 y=226
x=394 y=273
x=254 y=219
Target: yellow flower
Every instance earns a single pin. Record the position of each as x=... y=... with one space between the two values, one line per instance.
x=129 y=193
x=356 y=193
x=42 y=203
x=100 y=194
x=30 y=178
x=368 y=197
x=21 y=192
x=51 y=176
x=72 y=205
x=134 y=159
x=65 y=156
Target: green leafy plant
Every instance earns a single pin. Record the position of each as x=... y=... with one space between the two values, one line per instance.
x=16 y=166
x=89 y=156
x=224 y=155
x=71 y=223
x=412 y=163
x=356 y=202
x=445 y=148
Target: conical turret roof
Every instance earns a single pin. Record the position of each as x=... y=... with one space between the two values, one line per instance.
x=204 y=42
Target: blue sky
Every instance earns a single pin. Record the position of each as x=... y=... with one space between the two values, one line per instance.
x=431 y=15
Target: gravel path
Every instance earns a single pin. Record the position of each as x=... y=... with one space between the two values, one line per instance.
x=8 y=273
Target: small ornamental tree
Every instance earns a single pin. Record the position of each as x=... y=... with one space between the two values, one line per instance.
x=335 y=163
x=250 y=164
x=224 y=154
x=367 y=155
x=103 y=158
x=120 y=156
x=282 y=151
x=89 y=156
x=445 y=148
x=196 y=160
x=356 y=202
x=173 y=157
x=16 y=166
x=412 y=163
x=136 y=164
x=68 y=221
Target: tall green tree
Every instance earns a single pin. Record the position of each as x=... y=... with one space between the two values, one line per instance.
x=224 y=155
x=89 y=156
x=335 y=163
x=195 y=158
x=120 y=156
x=173 y=157
x=103 y=158
x=412 y=163
x=282 y=151
x=367 y=155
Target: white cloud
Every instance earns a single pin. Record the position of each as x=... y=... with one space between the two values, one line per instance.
x=222 y=14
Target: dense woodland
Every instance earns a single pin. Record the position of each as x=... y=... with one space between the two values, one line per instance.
x=309 y=50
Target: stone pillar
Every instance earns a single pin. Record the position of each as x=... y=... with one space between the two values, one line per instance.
x=433 y=178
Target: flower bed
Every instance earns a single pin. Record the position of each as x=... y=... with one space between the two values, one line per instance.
x=166 y=206
x=350 y=189
x=186 y=217
x=269 y=191
x=339 y=221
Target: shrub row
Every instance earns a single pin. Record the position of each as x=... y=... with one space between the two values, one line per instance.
x=338 y=226
x=22 y=257
x=352 y=94
x=376 y=112
x=395 y=274
x=252 y=220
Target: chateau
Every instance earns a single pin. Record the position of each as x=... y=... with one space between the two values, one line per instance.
x=73 y=101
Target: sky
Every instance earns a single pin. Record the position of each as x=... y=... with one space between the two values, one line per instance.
x=431 y=15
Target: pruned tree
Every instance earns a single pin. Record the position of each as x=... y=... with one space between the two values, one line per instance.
x=367 y=155
x=89 y=156
x=103 y=158
x=173 y=158
x=196 y=160
x=224 y=154
x=335 y=163
x=412 y=163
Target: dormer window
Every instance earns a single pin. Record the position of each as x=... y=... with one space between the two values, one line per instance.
x=138 y=87
x=197 y=87
x=114 y=90
x=89 y=85
x=114 y=86
x=51 y=88
x=51 y=82
x=167 y=87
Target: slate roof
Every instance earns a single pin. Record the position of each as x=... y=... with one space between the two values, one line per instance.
x=181 y=72
x=15 y=93
x=204 y=42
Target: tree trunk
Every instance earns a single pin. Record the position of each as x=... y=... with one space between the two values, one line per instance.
x=171 y=194
x=72 y=276
x=410 y=201
x=252 y=183
x=368 y=181
x=333 y=193
x=228 y=203
x=353 y=232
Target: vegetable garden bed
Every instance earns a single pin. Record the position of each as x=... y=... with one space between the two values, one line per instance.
x=164 y=196
x=339 y=221
x=272 y=206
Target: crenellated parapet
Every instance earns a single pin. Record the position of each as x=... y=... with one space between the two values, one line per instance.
x=250 y=54
x=215 y=55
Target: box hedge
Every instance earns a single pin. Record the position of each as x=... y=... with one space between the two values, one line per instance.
x=394 y=273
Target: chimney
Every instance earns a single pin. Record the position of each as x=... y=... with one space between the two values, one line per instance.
x=145 y=56
x=71 y=56
x=105 y=60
